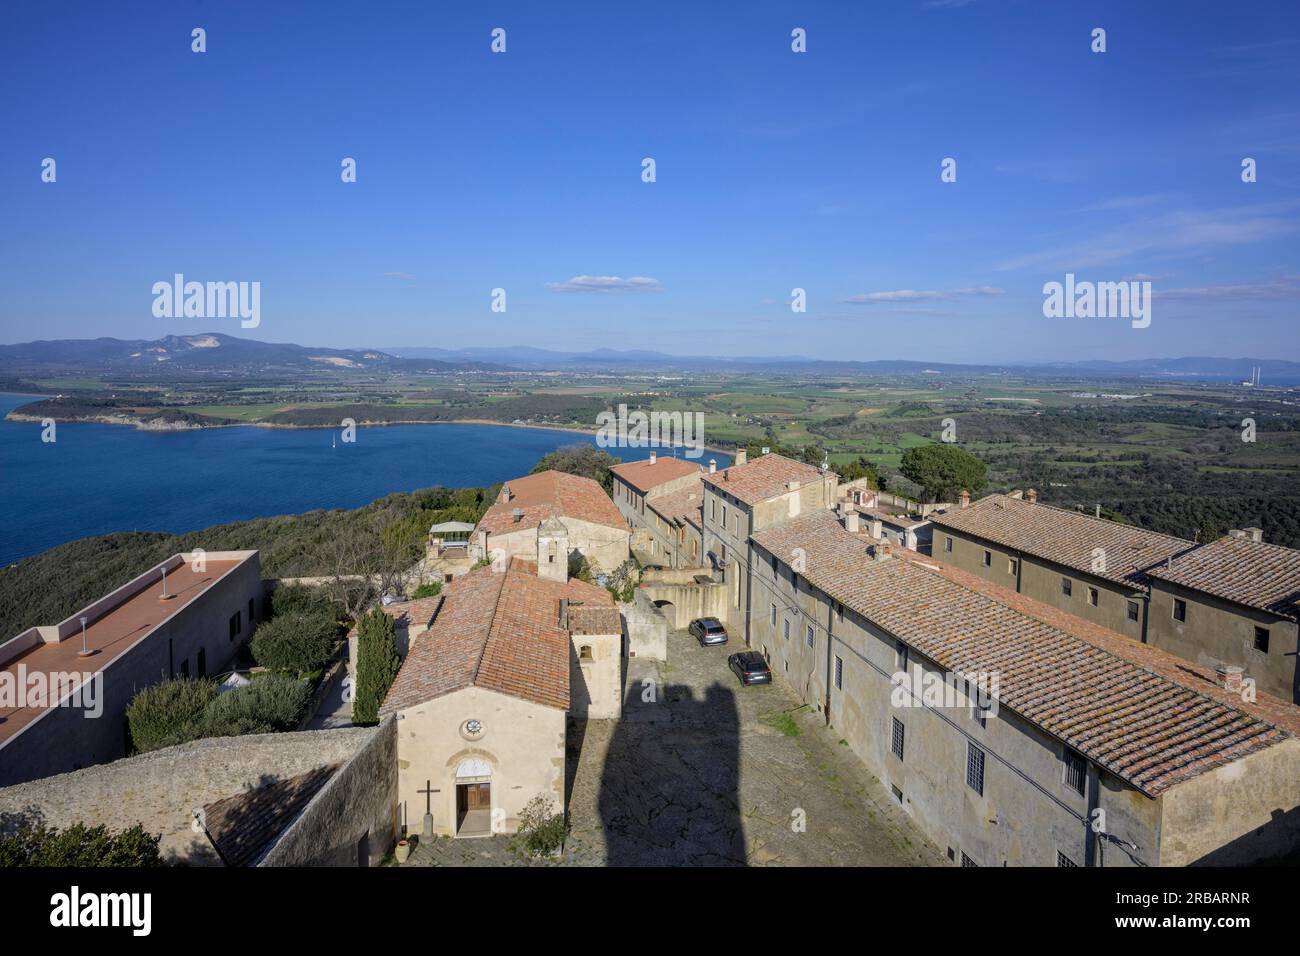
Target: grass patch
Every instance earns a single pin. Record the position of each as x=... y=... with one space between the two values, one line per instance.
x=783 y=721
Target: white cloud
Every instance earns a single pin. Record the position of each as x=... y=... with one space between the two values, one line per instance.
x=606 y=284
x=1284 y=287
x=916 y=295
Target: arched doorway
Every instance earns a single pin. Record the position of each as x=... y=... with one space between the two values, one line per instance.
x=473 y=797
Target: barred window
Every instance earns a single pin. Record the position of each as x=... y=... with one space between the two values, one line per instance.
x=1063 y=860
x=839 y=673
x=1076 y=770
x=812 y=640
x=975 y=768
x=896 y=743
x=967 y=861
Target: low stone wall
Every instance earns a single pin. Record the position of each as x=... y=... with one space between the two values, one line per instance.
x=647 y=628
x=161 y=790
x=352 y=821
x=683 y=603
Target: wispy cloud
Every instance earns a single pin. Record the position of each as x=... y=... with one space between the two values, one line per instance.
x=1171 y=234
x=606 y=284
x=1268 y=290
x=917 y=295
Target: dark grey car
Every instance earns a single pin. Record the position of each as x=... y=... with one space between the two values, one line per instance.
x=750 y=667
x=708 y=631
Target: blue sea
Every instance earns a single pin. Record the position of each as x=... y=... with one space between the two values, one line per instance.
x=97 y=479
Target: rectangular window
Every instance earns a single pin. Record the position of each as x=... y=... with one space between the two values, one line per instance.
x=839 y=673
x=1093 y=596
x=774 y=615
x=898 y=794
x=975 y=768
x=900 y=655
x=839 y=612
x=1067 y=586
x=988 y=559
x=774 y=565
x=1076 y=770
x=1261 y=639
x=713 y=508
x=235 y=625
x=787 y=630
x=896 y=739
x=1132 y=610
x=1180 y=610
x=808 y=636
x=947 y=543
x=967 y=861
x=724 y=517
x=1011 y=566
x=1063 y=860
x=251 y=616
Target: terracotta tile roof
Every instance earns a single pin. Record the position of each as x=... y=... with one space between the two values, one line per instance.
x=684 y=505
x=763 y=477
x=243 y=827
x=550 y=494
x=645 y=477
x=1148 y=717
x=1067 y=538
x=501 y=631
x=414 y=614
x=1263 y=576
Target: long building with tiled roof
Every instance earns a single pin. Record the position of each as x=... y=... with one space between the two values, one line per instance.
x=1237 y=568
x=595 y=528
x=660 y=498
x=1082 y=718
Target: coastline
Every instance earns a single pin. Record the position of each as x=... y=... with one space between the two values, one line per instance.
x=143 y=424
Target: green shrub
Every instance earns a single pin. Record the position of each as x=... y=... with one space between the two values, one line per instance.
x=541 y=830
x=169 y=713
x=295 y=642
x=301 y=599
x=276 y=702
x=433 y=589
x=34 y=844
x=377 y=664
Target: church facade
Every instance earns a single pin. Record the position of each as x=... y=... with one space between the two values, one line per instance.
x=482 y=698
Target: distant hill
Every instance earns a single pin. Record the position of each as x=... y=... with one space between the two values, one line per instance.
x=210 y=352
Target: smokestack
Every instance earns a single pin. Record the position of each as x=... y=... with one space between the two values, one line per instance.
x=1228 y=677
x=964 y=498
x=851 y=522
x=881 y=551
x=1097 y=513
x=741 y=456
x=653 y=456
x=713 y=465
x=1031 y=495
x=877 y=528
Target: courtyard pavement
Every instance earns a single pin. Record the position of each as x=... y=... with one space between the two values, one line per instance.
x=704 y=772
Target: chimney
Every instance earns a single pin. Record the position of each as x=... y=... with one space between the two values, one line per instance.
x=1016 y=493
x=792 y=486
x=964 y=498
x=713 y=465
x=851 y=522
x=881 y=551
x=505 y=494
x=517 y=514
x=1031 y=496
x=653 y=456
x=740 y=456
x=1256 y=535
x=1228 y=677
x=1097 y=513
x=1235 y=533
x=877 y=528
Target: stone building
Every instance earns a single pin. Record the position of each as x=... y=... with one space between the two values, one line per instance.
x=595 y=528
x=750 y=496
x=1081 y=747
x=1232 y=603
x=1086 y=565
x=187 y=616
x=661 y=499
x=482 y=697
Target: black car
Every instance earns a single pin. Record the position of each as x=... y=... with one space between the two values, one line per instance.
x=708 y=631
x=750 y=667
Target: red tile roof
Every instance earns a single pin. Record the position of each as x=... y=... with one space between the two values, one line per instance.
x=550 y=494
x=502 y=631
x=1148 y=717
x=1263 y=576
x=685 y=505
x=1067 y=538
x=645 y=477
x=243 y=827
x=763 y=477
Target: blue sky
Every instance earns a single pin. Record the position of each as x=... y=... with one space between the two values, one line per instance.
x=775 y=170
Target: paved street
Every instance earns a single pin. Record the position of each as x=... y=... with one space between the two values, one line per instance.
x=704 y=772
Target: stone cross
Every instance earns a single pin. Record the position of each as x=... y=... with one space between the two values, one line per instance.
x=428 y=791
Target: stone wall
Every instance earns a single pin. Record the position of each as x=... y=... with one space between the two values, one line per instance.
x=161 y=790
x=352 y=821
x=647 y=628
